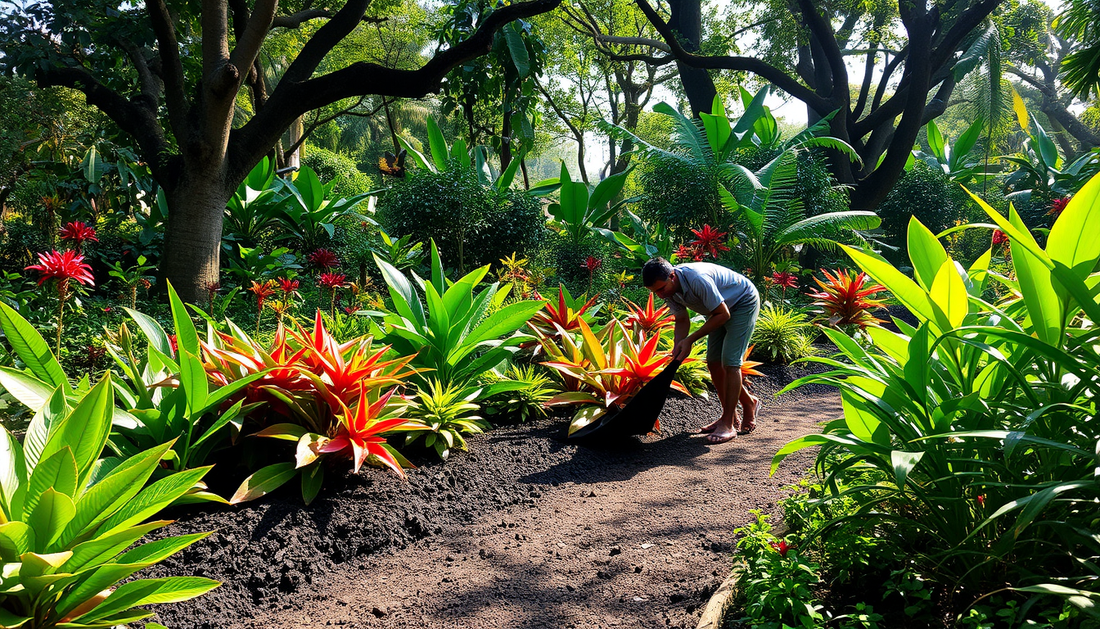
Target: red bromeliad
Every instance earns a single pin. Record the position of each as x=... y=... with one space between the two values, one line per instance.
x=359 y=433
x=999 y=238
x=563 y=316
x=63 y=267
x=649 y=319
x=323 y=259
x=333 y=282
x=1058 y=206
x=709 y=241
x=340 y=371
x=289 y=288
x=847 y=299
x=78 y=232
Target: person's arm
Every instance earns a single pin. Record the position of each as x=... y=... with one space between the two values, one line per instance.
x=682 y=327
x=717 y=318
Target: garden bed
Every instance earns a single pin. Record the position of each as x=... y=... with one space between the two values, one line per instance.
x=518 y=486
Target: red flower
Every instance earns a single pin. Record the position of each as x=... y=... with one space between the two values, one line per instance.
x=213 y=287
x=262 y=291
x=999 y=238
x=782 y=547
x=333 y=280
x=786 y=280
x=78 y=232
x=107 y=309
x=175 y=345
x=288 y=286
x=63 y=267
x=323 y=259
x=1057 y=206
x=981 y=500
x=709 y=240
x=689 y=252
x=592 y=264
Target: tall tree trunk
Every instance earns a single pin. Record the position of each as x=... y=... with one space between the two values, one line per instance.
x=192 y=240
x=687 y=20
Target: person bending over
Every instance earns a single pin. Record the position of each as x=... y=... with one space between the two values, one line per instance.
x=731 y=304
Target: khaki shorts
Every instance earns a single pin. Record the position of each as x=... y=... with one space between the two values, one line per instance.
x=729 y=342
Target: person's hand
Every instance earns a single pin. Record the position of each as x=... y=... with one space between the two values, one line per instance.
x=682 y=350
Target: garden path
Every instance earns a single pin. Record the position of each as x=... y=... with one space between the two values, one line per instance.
x=635 y=538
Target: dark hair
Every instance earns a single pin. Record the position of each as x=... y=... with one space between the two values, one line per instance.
x=654 y=270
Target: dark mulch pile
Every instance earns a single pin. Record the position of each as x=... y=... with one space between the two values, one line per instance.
x=268 y=552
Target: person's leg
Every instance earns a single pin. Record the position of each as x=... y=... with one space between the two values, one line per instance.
x=742 y=324
x=718 y=379
x=715 y=342
x=726 y=427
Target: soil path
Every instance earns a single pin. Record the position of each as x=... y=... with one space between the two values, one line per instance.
x=573 y=537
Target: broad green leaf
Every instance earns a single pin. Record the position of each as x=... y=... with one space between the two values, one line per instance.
x=285 y=432
x=1044 y=306
x=405 y=300
x=417 y=156
x=187 y=339
x=103 y=499
x=1073 y=239
x=194 y=383
x=438 y=145
x=505 y=321
x=42 y=424
x=13 y=621
x=153 y=499
x=1020 y=109
x=312 y=479
x=152 y=330
x=30 y=391
x=979 y=273
x=935 y=141
x=161 y=549
x=586 y=416
x=264 y=482
x=57 y=472
x=13 y=470
x=53 y=512
x=105 y=547
x=16 y=538
x=85 y=429
x=926 y=253
x=150 y=592
x=459 y=154
x=863 y=423
x=903 y=463
x=30 y=347
x=607 y=190
x=517 y=49
x=949 y=293
x=907 y=292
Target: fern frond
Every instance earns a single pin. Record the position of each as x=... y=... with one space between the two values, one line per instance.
x=813 y=228
x=689 y=134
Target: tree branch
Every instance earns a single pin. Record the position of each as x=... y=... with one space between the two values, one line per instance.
x=294 y=97
x=748 y=64
x=256 y=28
x=295 y=20
x=175 y=97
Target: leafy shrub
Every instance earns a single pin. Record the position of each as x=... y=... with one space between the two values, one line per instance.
x=925 y=194
x=778 y=587
x=332 y=166
x=71 y=521
x=442 y=412
x=470 y=222
x=679 y=198
x=782 y=334
x=980 y=424
x=526 y=402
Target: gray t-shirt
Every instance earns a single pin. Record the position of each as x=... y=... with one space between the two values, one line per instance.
x=704 y=285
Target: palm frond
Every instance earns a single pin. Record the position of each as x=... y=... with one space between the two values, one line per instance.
x=821 y=226
x=641 y=147
x=835 y=144
x=688 y=134
x=779 y=201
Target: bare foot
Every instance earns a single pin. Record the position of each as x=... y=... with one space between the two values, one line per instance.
x=748 y=414
x=721 y=434
x=709 y=428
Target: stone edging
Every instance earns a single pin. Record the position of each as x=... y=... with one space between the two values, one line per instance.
x=714 y=614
